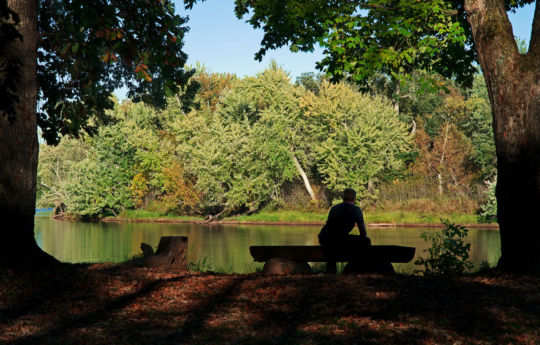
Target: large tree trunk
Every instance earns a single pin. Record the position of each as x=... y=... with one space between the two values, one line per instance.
x=19 y=151
x=514 y=91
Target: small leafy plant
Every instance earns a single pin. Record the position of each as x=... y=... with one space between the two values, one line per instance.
x=448 y=254
x=201 y=265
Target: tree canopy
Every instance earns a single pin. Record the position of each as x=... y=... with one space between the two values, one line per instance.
x=86 y=50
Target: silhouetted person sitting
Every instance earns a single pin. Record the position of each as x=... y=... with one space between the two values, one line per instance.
x=334 y=236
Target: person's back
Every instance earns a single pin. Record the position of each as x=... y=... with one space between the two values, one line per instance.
x=334 y=236
x=341 y=220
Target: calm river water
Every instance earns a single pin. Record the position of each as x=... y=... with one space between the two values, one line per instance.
x=224 y=247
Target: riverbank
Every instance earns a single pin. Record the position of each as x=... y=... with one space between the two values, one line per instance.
x=280 y=217
x=119 y=304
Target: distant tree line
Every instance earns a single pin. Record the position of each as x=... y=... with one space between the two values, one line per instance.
x=264 y=141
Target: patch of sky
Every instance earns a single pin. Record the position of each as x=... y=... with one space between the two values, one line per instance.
x=223 y=43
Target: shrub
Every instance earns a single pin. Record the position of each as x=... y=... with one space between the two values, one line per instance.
x=489 y=209
x=448 y=253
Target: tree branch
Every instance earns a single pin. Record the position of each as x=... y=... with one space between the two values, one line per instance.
x=494 y=42
x=491 y=27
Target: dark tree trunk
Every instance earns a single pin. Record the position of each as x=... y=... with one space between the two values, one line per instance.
x=19 y=152
x=514 y=89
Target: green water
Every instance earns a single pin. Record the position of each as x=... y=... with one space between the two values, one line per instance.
x=224 y=247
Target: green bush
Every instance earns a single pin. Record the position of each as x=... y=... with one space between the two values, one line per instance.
x=448 y=253
x=489 y=209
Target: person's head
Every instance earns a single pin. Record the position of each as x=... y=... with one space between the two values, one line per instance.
x=349 y=195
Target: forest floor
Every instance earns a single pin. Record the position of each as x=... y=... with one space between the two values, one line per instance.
x=119 y=304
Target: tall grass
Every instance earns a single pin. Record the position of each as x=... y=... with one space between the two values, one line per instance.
x=420 y=196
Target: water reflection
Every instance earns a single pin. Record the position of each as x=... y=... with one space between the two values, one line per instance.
x=224 y=246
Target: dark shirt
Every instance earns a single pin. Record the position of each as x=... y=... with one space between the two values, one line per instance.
x=341 y=221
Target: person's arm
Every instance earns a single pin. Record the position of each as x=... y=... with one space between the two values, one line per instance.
x=360 y=222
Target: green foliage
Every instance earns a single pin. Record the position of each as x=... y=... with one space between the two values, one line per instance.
x=479 y=128
x=489 y=209
x=105 y=45
x=153 y=215
x=523 y=47
x=204 y=265
x=114 y=170
x=58 y=167
x=310 y=81
x=448 y=253
x=238 y=153
x=356 y=138
x=242 y=153
x=361 y=38
x=101 y=186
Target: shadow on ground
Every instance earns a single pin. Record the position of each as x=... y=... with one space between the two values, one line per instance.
x=107 y=304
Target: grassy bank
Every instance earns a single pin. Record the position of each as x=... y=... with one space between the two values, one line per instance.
x=144 y=215
x=395 y=217
x=315 y=217
x=115 y=304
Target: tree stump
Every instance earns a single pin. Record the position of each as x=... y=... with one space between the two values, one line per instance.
x=147 y=249
x=59 y=209
x=170 y=254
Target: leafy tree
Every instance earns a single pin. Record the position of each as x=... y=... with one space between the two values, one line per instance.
x=130 y=155
x=443 y=36
x=212 y=86
x=310 y=81
x=72 y=55
x=237 y=157
x=179 y=194
x=479 y=128
x=357 y=138
x=100 y=186
x=444 y=158
x=282 y=120
x=57 y=168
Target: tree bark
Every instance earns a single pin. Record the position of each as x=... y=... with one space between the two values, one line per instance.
x=513 y=85
x=304 y=177
x=19 y=151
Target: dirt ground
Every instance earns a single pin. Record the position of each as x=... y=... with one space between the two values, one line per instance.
x=118 y=304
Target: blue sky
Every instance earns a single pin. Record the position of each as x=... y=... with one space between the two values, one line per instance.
x=224 y=43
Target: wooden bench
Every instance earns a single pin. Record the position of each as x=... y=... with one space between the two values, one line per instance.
x=369 y=258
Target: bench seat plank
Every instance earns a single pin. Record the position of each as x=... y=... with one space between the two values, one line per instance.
x=379 y=253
